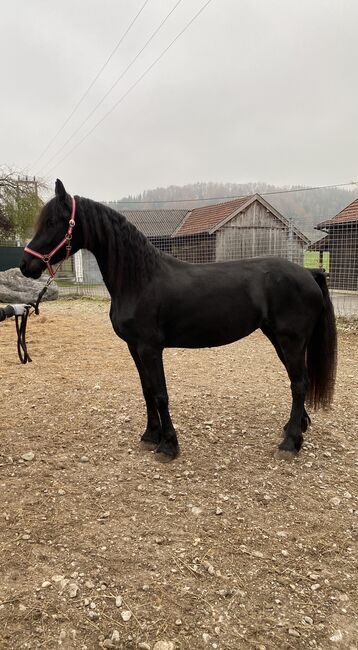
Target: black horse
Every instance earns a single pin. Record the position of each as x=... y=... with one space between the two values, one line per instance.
x=159 y=301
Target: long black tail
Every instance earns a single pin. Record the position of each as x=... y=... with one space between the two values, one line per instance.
x=322 y=351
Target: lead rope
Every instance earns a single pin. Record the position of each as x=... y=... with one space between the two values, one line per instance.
x=43 y=291
x=21 y=324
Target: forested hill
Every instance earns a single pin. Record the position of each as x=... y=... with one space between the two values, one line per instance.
x=305 y=207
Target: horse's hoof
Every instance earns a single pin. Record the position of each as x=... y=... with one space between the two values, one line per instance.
x=285 y=454
x=166 y=453
x=163 y=458
x=147 y=445
x=151 y=437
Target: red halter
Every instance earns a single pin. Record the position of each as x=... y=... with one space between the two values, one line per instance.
x=66 y=241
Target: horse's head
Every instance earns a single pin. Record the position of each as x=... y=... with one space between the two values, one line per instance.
x=53 y=241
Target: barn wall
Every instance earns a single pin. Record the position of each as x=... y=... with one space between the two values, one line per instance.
x=196 y=248
x=343 y=246
x=257 y=232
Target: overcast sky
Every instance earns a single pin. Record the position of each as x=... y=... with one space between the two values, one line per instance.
x=254 y=90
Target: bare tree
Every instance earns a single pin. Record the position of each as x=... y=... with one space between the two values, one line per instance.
x=5 y=225
x=19 y=204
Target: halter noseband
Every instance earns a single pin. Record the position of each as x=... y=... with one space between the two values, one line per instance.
x=66 y=241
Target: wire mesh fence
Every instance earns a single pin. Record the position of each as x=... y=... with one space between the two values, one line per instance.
x=236 y=229
x=243 y=228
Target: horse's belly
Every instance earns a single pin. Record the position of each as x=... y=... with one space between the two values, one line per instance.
x=194 y=341
x=206 y=333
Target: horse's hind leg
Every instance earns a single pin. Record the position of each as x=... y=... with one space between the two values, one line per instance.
x=306 y=420
x=153 y=432
x=294 y=354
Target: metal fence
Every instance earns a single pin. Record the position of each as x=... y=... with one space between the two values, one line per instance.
x=243 y=228
x=236 y=229
x=10 y=256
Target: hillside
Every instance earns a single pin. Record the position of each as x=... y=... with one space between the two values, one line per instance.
x=305 y=207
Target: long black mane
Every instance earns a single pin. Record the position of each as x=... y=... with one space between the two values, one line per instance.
x=130 y=257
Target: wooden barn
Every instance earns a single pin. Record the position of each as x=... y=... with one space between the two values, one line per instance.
x=341 y=242
x=245 y=227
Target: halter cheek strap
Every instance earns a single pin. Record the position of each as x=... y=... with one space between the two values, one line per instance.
x=66 y=241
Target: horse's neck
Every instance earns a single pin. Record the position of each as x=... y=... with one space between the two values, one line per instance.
x=125 y=257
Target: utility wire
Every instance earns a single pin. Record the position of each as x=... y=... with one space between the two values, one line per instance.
x=121 y=99
x=112 y=87
x=233 y=197
x=90 y=86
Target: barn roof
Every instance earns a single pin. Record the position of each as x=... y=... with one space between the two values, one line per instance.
x=201 y=220
x=210 y=218
x=207 y=219
x=347 y=215
x=322 y=244
x=153 y=223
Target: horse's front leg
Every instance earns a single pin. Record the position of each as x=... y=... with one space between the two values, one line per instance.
x=152 y=434
x=152 y=361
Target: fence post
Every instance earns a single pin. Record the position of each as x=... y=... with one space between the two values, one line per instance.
x=290 y=241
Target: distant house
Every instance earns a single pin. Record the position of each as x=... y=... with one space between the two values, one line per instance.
x=341 y=242
x=245 y=227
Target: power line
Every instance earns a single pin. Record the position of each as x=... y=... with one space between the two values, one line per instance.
x=233 y=197
x=305 y=189
x=113 y=86
x=90 y=86
x=132 y=86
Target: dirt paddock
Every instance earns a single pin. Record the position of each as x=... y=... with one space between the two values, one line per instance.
x=226 y=547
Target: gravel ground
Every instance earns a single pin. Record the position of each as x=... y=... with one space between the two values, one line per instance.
x=226 y=547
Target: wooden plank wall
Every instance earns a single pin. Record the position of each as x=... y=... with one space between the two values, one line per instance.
x=257 y=232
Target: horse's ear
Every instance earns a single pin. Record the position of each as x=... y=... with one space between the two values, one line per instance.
x=60 y=190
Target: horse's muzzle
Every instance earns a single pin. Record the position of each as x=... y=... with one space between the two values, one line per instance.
x=31 y=268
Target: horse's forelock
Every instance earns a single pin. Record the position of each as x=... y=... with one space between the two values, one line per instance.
x=48 y=210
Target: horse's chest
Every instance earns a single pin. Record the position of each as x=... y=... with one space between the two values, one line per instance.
x=124 y=328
